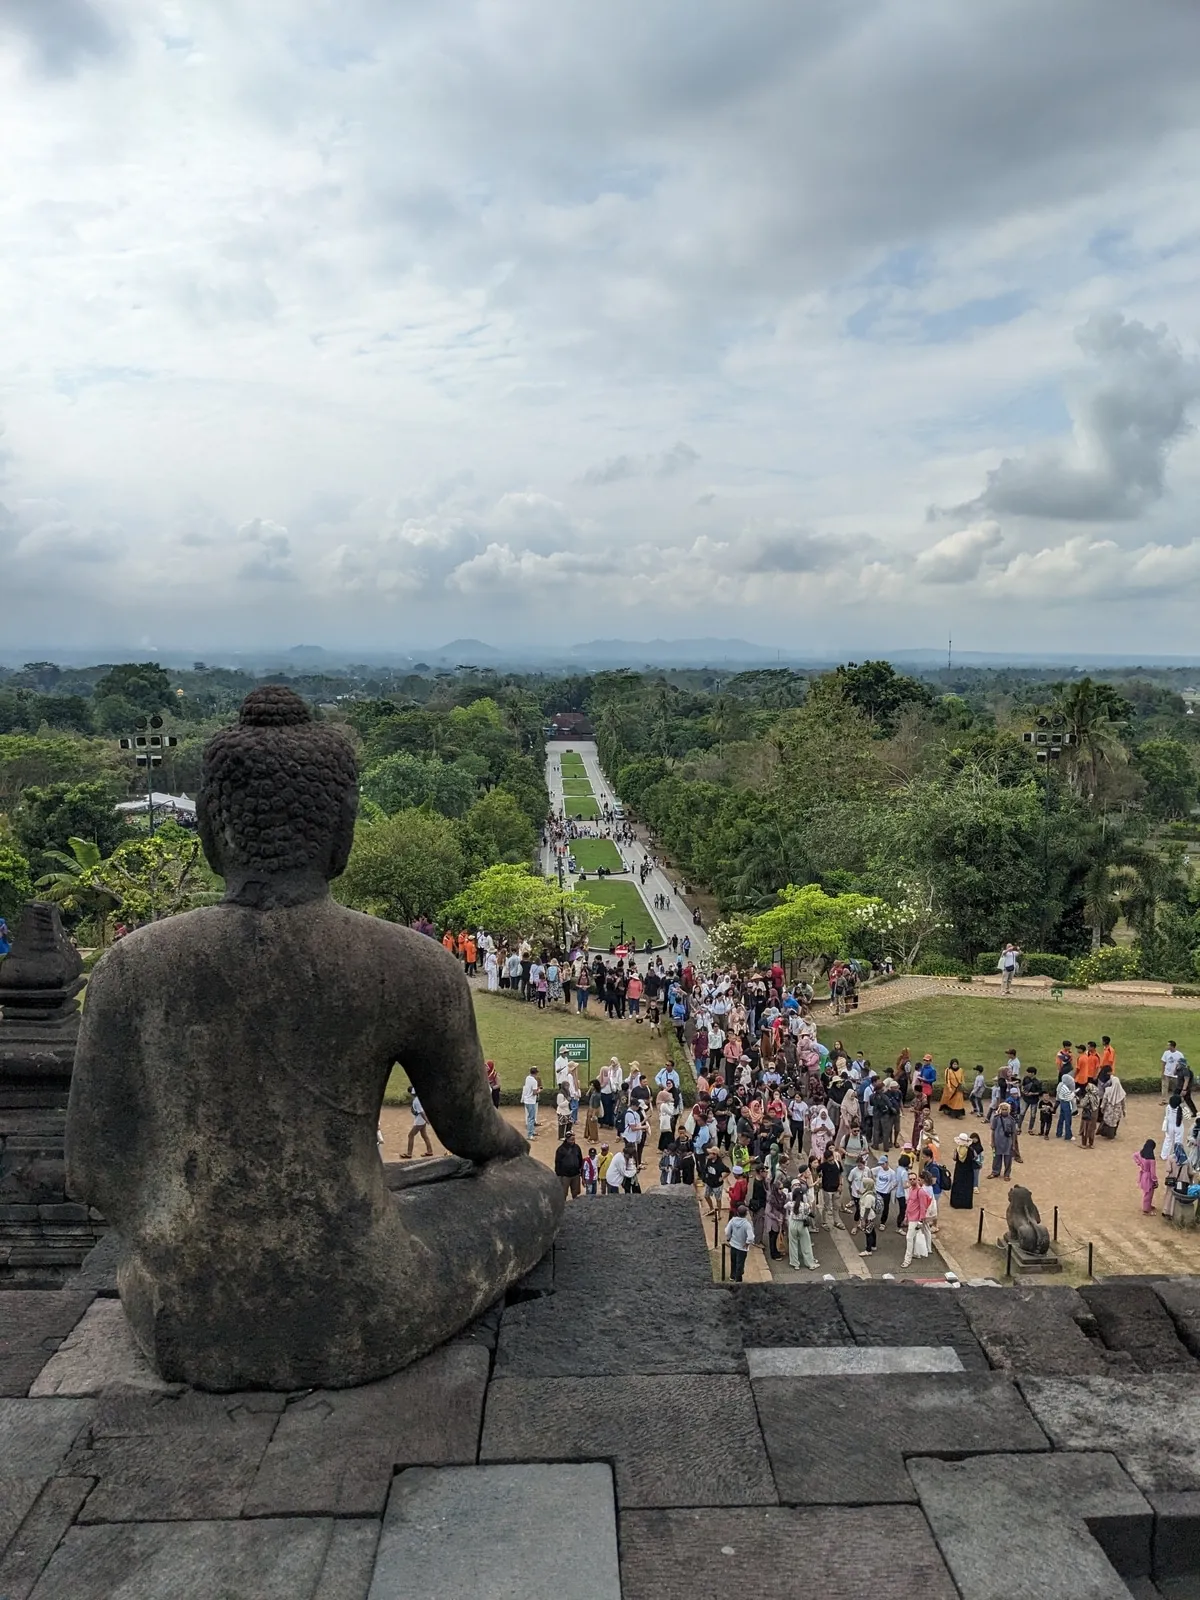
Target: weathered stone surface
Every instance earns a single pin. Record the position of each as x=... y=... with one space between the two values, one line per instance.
x=1024 y=1527
x=334 y=1451
x=535 y=1283
x=1181 y=1297
x=100 y=1350
x=1133 y=1319
x=33 y=1322
x=1176 y=1535
x=98 y=1274
x=576 y=1334
x=43 y=1527
x=785 y=1314
x=349 y=1561
x=507 y=1532
x=263 y=1559
x=866 y=1428
x=830 y=1362
x=651 y=1429
x=779 y=1552
x=159 y=1457
x=1151 y=1424
x=231 y=1136
x=485 y=1330
x=35 y=1435
x=642 y=1243
x=17 y=1499
x=1033 y=1330
x=892 y=1314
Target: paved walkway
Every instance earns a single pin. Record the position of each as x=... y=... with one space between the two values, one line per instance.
x=678 y=920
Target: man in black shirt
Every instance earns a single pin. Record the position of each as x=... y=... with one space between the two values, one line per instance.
x=712 y=1171
x=568 y=1166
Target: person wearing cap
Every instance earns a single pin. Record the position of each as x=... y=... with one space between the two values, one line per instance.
x=885 y=1187
x=739 y=1189
x=568 y=1166
x=591 y=1176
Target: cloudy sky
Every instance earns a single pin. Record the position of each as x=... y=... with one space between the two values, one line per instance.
x=843 y=324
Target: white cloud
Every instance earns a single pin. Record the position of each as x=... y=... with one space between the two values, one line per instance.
x=958 y=557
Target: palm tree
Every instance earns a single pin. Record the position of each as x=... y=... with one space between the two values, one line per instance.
x=1096 y=716
x=1154 y=879
x=67 y=886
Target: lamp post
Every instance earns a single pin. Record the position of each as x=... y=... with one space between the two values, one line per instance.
x=147 y=745
x=1049 y=739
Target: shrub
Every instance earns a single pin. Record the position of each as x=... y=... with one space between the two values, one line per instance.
x=935 y=966
x=1034 y=964
x=1110 y=964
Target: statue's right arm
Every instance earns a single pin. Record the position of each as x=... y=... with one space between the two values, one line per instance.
x=104 y=1114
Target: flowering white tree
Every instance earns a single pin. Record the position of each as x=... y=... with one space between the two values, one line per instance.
x=904 y=919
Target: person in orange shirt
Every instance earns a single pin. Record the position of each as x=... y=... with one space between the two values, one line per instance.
x=462 y=945
x=1108 y=1056
x=1087 y=1064
x=471 y=956
x=448 y=941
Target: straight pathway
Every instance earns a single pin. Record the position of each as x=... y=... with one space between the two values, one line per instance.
x=678 y=920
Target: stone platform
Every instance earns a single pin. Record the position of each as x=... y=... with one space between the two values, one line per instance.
x=625 y=1427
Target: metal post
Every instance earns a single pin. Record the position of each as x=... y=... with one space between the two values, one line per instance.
x=717 y=1229
x=1056 y=1222
x=1091 y=1274
x=1008 y=1262
x=722 y=1263
x=979 y=1235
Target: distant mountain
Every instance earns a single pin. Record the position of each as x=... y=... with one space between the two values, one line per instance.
x=468 y=652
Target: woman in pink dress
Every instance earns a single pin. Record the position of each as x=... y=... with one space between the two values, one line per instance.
x=1147 y=1174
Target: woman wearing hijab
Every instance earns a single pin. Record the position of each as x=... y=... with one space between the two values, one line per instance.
x=1112 y=1108
x=776 y=1201
x=962 y=1182
x=952 y=1094
x=1147 y=1175
x=1174 y=1150
x=797 y=1212
x=820 y=1131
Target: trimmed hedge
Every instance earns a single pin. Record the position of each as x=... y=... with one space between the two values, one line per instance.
x=935 y=966
x=1034 y=964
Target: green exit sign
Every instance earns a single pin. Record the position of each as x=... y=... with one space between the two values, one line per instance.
x=574 y=1049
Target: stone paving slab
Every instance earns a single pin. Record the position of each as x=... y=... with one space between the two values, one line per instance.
x=631 y=1243
x=825 y=1362
x=33 y=1323
x=1176 y=1535
x=100 y=1350
x=36 y=1435
x=98 y=1274
x=187 y=1457
x=891 y=1314
x=1033 y=1330
x=1133 y=1320
x=608 y=1332
x=1181 y=1297
x=1024 y=1527
x=504 y=1532
x=334 y=1451
x=1151 y=1424
x=779 y=1553
x=18 y=1496
x=262 y=1559
x=860 y=1433
x=801 y=1314
x=652 y=1430
x=25 y=1555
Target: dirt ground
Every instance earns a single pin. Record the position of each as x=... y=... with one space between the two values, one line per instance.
x=1095 y=1190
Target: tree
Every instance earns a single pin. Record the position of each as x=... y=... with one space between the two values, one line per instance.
x=26 y=759
x=144 y=684
x=16 y=884
x=402 y=781
x=155 y=875
x=495 y=829
x=513 y=903
x=71 y=883
x=49 y=815
x=1097 y=716
x=809 y=924
x=909 y=915
x=1166 y=765
x=403 y=866
x=880 y=692
x=69 y=711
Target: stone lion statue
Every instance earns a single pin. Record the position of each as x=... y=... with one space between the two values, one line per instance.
x=1025 y=1226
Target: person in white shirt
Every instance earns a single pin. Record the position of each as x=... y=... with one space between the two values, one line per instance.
x=1171 y=1057
x=530 y=1089
x=419 y=1126
x=562 y=1065
x=622 y=1171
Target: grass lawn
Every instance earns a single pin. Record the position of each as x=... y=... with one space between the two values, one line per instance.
x=577 y=786
x=627 y=905
x=584 y=807
x=979 y=1030
x=517 y=1036
x=573 y=767
x=593 y=853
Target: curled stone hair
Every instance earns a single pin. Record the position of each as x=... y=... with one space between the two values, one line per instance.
x=277 y=790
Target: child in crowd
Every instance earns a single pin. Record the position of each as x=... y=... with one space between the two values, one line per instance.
x=1045 y=1114
x=591 y=1172
x=978 y=1090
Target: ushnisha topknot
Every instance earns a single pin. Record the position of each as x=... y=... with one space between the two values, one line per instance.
x=277 y=790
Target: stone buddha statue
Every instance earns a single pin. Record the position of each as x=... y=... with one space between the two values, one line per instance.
x=229 y=1074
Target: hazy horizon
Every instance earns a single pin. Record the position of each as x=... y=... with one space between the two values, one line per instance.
x=838 y=329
